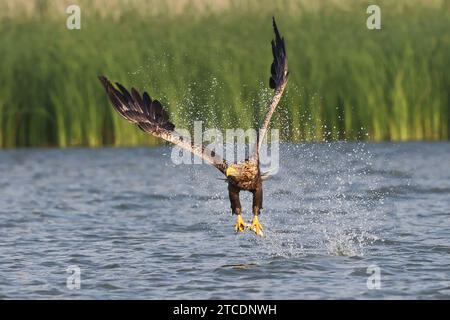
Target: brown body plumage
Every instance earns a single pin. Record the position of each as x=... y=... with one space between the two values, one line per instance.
x=249 y=176
x=150 y=116
x=245 y=176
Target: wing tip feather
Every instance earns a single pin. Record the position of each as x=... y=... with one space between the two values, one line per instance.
x=147 y=114
x=279 y=66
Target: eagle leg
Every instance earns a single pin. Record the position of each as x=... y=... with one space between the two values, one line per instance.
x=240 y=224
x=233 y=193
x=256 y=227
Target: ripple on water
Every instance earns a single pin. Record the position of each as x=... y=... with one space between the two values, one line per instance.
x=331 y=211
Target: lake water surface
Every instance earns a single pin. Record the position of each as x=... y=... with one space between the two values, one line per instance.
x=336 y=217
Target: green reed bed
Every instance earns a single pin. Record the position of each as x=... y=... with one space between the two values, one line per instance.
x=346 y=82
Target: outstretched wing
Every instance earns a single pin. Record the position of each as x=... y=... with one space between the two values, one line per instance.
x=277 y=81
x=150 y=116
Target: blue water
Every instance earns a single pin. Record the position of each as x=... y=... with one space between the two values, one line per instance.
x=138 y=226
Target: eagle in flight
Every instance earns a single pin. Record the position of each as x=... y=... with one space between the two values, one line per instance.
x=150 y=116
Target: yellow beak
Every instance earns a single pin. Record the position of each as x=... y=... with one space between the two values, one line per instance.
x=231 y=172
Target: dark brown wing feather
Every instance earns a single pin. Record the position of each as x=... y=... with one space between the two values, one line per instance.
x=279 y=68
x=278 y=79
x=148 y=114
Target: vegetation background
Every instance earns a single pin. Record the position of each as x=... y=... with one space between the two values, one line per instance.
x=210 y=60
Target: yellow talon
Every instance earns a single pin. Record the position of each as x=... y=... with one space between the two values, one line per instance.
x=256 y=227
x=240 y=224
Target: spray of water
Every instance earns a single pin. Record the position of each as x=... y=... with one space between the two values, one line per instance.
x=320 y=202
